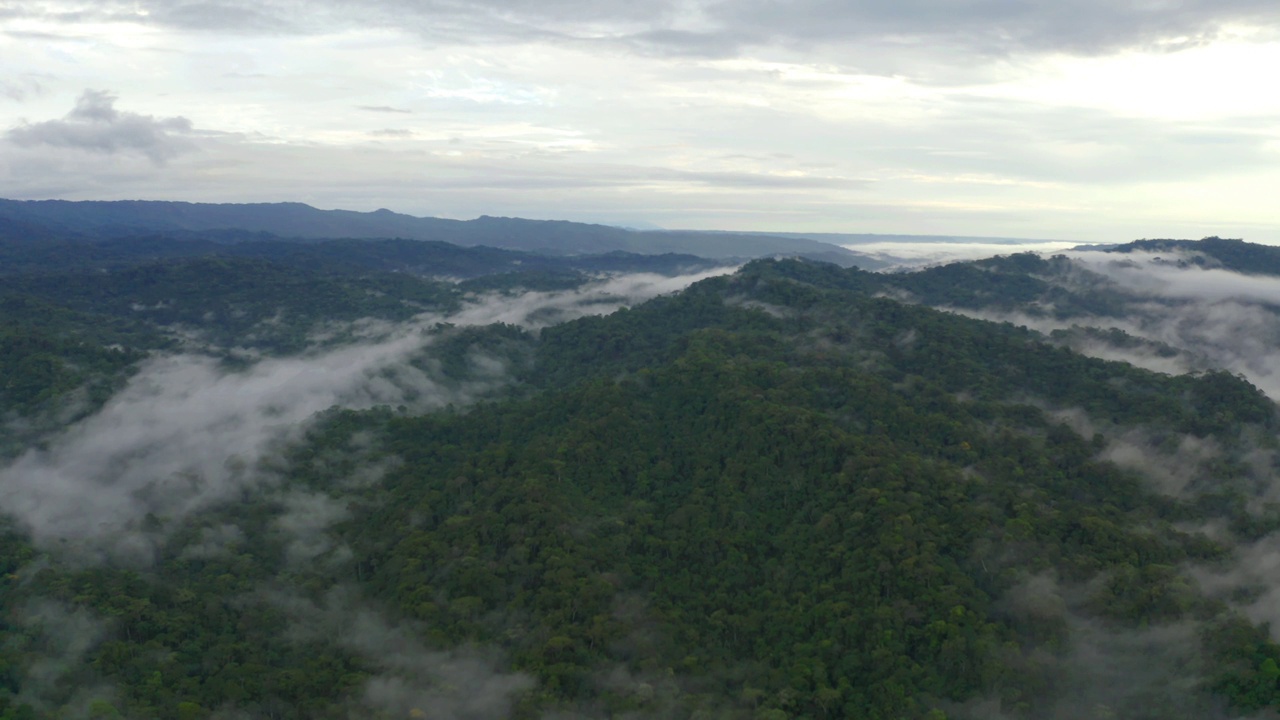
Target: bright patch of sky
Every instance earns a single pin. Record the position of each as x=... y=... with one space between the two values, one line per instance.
x=1110 y=122
x=922 y=253
x=1209 y=83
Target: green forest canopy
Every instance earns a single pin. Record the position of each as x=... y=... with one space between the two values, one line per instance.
x=777 y=494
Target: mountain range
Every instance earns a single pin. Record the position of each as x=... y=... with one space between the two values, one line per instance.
x=231 y=222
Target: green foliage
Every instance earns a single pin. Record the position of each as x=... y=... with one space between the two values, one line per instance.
x=778 y=494
x=240 y=302
x=36 y=368
x=522 y=281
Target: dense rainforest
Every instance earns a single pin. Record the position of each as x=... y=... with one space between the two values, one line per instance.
x=792 y=491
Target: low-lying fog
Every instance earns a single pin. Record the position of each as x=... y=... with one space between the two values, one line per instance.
x=186 y=432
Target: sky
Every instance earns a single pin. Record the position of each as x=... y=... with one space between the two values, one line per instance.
x=1076 y=120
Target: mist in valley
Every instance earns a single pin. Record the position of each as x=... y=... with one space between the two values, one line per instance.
x=186 y=432
x=191 y=433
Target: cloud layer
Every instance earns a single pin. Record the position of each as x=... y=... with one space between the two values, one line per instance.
x=1093 y=121
x=716 y=28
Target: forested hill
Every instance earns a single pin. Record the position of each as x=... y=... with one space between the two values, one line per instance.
x=229 y=222
x=795 y=491
x=1169 y=305
x=1212 y=252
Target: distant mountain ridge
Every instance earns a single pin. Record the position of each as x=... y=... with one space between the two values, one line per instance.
x=111 y=219
x=844 y=239
x=426 y=258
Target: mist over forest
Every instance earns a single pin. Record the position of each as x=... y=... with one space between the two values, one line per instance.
x=251 y=474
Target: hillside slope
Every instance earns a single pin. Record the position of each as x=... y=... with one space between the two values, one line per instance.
x=780 y=493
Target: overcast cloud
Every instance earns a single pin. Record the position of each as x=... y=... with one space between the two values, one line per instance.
x=994 y=27
x=95 y=125
x=1085 y=121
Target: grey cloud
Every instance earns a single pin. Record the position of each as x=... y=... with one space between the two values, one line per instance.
x=438 y=19
x=270 y=16
x=42 y=36
x=95 y=106
x=20 y=88
x=671 y=42
x=224 y=16
x=383 y=109
x=997 y=27
x=95 y=125
x=991 y=28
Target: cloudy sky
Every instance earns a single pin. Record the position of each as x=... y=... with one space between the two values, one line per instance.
x=1083 y=120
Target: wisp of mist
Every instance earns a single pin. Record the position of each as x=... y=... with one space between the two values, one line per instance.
x=186 y=433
